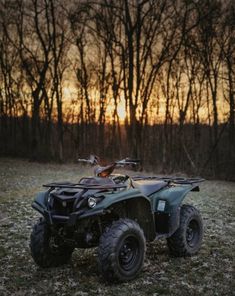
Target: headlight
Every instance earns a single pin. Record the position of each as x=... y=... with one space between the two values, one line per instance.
x=161 y=205
x=91 y=202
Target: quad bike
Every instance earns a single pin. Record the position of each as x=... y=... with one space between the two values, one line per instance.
x=118 y=214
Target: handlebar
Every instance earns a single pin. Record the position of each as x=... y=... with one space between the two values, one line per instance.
x=107 y=170
x=127 y=161
x=95 y=160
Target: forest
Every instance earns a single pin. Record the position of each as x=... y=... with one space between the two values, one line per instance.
x=150 y=79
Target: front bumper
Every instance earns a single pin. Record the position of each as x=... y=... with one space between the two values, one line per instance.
x=69 y=220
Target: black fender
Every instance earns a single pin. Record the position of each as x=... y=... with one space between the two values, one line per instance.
x=167 y=218
x=127 y=204
x=40 y=205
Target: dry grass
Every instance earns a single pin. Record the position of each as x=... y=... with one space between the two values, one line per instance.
x=208 y=273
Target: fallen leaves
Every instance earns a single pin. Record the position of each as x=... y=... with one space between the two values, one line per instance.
x=210 y=272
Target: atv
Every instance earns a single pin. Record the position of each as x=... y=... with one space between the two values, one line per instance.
x=118 y=214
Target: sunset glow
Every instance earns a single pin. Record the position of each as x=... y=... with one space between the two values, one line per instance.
x=147 y=79
x=121 y=111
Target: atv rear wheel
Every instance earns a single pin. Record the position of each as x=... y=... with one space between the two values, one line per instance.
x=121 y=251
x=44 y=250
x=187 y=240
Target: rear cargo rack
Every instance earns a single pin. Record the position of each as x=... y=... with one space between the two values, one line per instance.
x=84 y=186
x=175 y=180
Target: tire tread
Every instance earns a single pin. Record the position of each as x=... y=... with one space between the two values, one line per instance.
x=177 y=242
x=106 y=250
x=40 y=250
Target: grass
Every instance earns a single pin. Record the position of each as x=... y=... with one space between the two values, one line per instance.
x=210 y=272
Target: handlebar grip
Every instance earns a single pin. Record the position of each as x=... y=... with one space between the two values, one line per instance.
x=85 y=160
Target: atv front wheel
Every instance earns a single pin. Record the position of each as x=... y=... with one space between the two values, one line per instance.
x=187 y=240
x=121 y=251
x=44 y=250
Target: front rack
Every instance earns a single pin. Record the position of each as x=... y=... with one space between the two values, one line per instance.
x=175 y=180
x=84 y=186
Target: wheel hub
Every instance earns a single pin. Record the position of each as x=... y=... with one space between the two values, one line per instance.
x=128 y=253
x=53 y=245
x=192 y=233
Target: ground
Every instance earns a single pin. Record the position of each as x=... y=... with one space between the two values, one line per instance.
x=210 y=272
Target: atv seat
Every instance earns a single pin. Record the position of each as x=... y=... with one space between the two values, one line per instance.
x=148 y=187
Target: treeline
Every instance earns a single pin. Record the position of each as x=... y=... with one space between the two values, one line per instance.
x=66 y=67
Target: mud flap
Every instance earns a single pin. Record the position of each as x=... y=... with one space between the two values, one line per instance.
x=167 y=223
